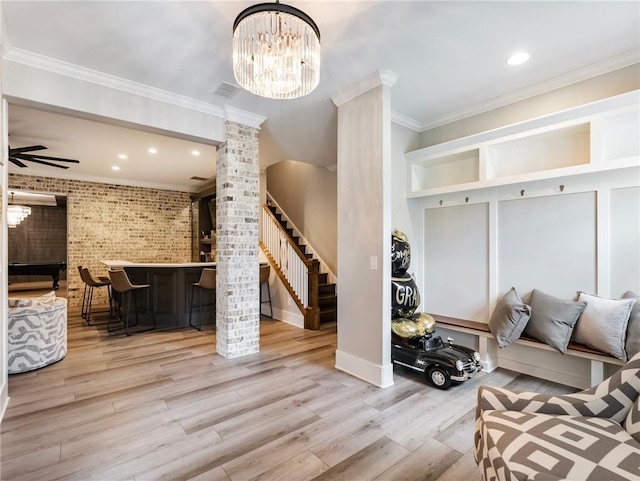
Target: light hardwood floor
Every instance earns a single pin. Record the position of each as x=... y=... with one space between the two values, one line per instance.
x=165 y=406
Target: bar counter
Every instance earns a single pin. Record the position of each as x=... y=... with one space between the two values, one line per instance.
x=170 y=293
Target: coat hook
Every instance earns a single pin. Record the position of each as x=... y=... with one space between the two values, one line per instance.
x=561 y=188
x=522 y=193
x=440 y=202
x=466 y=200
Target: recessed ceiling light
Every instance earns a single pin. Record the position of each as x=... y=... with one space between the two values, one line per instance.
x=115 y=167
x=518 y=58
x=195 y=152
x=122 y=156
x=153 y=150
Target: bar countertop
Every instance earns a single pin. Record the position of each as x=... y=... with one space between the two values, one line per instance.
x=120 y=263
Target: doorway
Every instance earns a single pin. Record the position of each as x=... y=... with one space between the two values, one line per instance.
x=41 y=237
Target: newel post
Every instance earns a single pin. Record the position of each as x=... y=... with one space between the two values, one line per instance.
x=312 y=312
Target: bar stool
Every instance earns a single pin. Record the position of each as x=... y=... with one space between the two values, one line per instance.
x=92 y=283
x=207 y=282
x=265 y=271
x=121 y=284
x=84 y=293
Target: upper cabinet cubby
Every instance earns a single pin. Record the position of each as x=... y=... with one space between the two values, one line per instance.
x=603 y=135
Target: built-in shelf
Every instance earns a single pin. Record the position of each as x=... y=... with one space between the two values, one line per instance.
x=590 y=138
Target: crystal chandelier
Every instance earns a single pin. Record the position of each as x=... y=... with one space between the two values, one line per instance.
x=16 y=213
x=276 y=51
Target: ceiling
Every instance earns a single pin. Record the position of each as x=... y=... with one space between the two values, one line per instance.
x=449 y=57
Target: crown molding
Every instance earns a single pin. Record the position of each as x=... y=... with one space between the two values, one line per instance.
x=110 y=81
x=609 y=65
x=381 y=77
x=408 y=122
x=243 y=117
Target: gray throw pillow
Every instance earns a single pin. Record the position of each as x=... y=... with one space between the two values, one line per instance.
x=603 y=324
x=633 y=328
x=509 y=318
x=552 y=319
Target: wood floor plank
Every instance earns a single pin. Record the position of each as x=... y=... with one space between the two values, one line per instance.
x=21 y=466
x=284 y=448
x=215 y=474
x=197 y=462
x=427 y=463
x=208 y=412
x=459 y=435
x=464 y=469
x=303 y=467
x=368 y=463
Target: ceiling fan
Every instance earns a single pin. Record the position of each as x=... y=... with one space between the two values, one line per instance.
x=17 y=156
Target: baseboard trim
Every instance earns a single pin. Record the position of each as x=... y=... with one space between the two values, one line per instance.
x=3 y=408
x=536 y=371
x=294 y=318
x=381 y=376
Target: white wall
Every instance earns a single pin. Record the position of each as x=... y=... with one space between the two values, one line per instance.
x=591 y=90
x=116 y=102
x=404 y=210
x=308 y=195
x=4 y=259
x=4 y=256
x=364 y=224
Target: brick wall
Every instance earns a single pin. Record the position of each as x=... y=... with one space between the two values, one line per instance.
x=237 y=227
x=107 y=221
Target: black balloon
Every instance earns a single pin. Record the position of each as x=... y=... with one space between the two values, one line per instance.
x=405 y=297
x=400 y=253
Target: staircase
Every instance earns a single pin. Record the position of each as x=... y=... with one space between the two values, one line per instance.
x=326 y=291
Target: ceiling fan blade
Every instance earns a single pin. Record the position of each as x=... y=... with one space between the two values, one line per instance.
x=38 y=161
x=30 y=148
x=17 y=162
x=44 y=157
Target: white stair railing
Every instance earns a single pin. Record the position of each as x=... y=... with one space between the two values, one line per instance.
x=287 y=256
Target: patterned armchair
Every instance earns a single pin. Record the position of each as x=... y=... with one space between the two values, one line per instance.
x=590 y=435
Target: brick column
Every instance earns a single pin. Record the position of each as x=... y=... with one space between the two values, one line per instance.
x=237 y=228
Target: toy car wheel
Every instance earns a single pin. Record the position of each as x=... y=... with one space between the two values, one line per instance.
x=439 y=378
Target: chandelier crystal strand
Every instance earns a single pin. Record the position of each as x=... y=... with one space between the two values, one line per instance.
x=16 y=213
x=276 y=51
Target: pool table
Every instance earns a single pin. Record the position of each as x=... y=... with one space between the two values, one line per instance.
x=38 y=269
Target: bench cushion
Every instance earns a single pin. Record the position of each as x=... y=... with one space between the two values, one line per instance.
x=520 y=445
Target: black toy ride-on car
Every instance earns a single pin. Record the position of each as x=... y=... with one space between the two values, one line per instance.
x=442 y=364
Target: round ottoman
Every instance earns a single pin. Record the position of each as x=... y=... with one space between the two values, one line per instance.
x=37 y=332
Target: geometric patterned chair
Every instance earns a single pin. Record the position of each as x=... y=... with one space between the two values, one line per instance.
x=589 y=435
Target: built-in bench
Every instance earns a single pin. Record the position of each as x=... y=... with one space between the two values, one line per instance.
x=488 y=348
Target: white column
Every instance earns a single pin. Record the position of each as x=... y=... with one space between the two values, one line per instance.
x=4 y=253
x=364 y=229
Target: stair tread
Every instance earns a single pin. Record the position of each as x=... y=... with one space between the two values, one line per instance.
x=327 y=296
